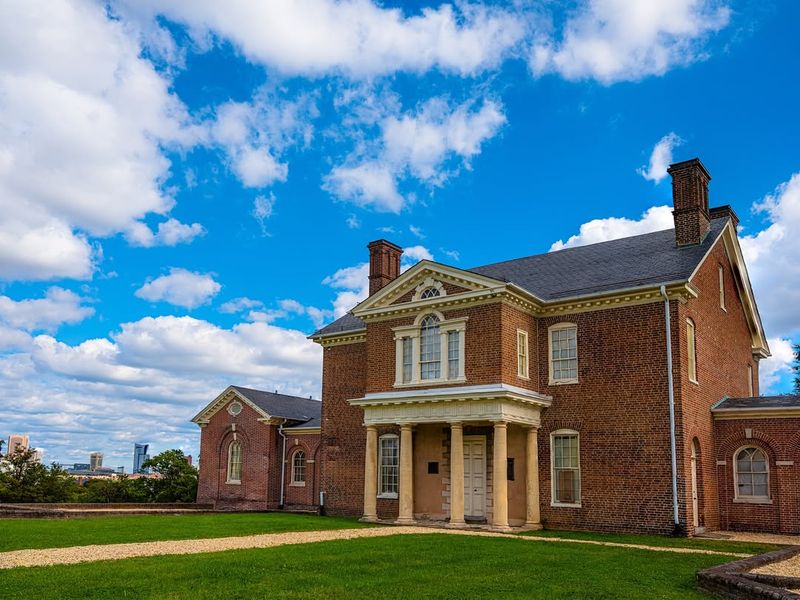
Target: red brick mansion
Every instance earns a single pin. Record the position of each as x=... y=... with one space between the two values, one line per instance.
x=609 y=387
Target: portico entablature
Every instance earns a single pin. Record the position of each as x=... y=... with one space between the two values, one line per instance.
x=477 y=403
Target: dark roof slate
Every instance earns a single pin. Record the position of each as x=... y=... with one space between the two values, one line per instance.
x=636 y=261
x=641 y=260
x=293 y=408
x=784 y=401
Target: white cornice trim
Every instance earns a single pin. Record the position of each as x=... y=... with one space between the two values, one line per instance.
x=766 y=412
x=467 y=392
x=224 y=398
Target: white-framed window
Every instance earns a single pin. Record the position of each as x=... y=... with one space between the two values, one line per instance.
x=722 y=288
x=430 y=348
x=430 y=292
x=750 y=380
x=691 y=350
x=565 y=460
x=751 y=475
x=431 y=351
x=235 y=462
x=427 y=289
x=563 y=344
x=299 y=468
x=388 y=465
x=522 y=353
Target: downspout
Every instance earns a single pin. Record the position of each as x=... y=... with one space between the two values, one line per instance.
x=283 y=462
x=674 y=455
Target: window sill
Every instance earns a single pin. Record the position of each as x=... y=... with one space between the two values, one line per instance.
x=524 y=377
x=233 y=483
x=387 y=496
x=565 y=505
x=752 y=500
x=564 y=382
x=426 y=382
x=298 y=484
x=694 y=381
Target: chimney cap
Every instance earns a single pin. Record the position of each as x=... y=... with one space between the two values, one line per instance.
x=685 y=165
x=383 y=242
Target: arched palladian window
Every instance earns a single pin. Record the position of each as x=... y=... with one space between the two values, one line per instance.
x=751 y=474
x=430 y=292
x=235 y=462
x=430 y=351
x=299 y=468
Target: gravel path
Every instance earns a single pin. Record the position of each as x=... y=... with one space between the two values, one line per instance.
x=787 y=568
x=79 y=554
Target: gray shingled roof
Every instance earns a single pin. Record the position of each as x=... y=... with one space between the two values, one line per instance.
x=649 y=259
x=293 y=408
x=785 y=401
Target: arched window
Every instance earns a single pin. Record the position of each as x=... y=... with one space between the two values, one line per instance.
x=751 y=474
x=430 y=348
x=235 y=462
x=299 y=468
x=430 y=292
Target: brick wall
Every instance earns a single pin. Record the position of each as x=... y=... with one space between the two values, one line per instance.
x=780 y=441
x=343 y=438
x=723 y=348
x=305 y=495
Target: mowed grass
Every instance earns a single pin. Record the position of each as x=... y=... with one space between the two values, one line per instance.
x=403 y=566
x=16 y=534
x=660 y=541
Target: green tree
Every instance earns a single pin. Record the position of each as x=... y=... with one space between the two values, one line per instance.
x=120 y=489
x=796 y=369
x=175 y=479
x=24 y=479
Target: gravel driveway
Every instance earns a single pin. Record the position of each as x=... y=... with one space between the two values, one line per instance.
x=79 y=554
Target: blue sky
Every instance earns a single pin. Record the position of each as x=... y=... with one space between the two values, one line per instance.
x=188 y=191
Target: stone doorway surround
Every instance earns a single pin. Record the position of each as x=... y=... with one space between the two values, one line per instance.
x=497 y=404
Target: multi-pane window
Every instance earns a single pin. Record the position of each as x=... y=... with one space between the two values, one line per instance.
x=299 y=467
x=388 y=465
x=453 y=355
x=722 y=287
x=430 y=292
x=564 y=353
x=566 y=468
x=691 y=350
x=752 y=474
x=522 y=353
x=408 y=359
x=430 y=348
x=234 y=462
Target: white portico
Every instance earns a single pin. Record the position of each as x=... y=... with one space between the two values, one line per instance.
x=474 y=417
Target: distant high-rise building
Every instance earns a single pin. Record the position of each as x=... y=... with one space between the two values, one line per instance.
x=95 y=460
x=38 y=455
x=140 y=455
x=17 y=441
x=189 y=458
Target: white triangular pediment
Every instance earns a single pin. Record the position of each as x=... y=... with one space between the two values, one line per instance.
x=428 y=274
x=229 y=395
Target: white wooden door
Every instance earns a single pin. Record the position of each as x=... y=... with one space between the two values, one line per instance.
x=475 y=477
x=695 y=503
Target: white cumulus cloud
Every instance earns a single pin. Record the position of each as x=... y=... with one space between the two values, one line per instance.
x=654 y=218
x=57 y=307
x=181 y=288
x=660 y=158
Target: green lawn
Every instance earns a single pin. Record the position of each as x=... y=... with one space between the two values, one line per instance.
x=660 y=540
x=53 y=533
x=432 y=566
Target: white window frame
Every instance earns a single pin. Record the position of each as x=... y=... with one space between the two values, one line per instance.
x=381 y=492
x=750 y=499
x=691 y=351
x=550 y=330
x=523 y=355
x=229 y=471
x=553 y=436
x=722 y=288
x=295 y=482
x=428 y=283
x=412 y=333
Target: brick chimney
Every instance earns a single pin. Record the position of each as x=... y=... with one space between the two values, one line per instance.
x=384 y=264
x=690 y=200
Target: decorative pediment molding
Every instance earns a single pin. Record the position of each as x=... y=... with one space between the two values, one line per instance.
x=229 y=395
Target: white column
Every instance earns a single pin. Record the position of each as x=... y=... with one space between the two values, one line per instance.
x=456 y=475
x=371 y=475
x=532 y=519
x=499 y=480
x=415 y=373
x=406 y=515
